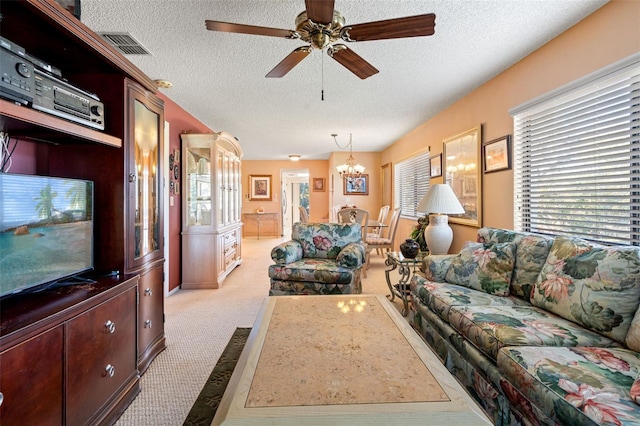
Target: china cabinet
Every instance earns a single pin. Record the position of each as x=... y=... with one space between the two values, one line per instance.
x=211 y=205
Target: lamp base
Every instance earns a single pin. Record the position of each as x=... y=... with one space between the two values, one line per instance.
x=438 y=234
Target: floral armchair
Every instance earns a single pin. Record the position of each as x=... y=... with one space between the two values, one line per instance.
x=321 y=258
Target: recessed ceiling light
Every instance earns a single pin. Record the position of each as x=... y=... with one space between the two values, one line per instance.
x=294 y=157
x=163 y=84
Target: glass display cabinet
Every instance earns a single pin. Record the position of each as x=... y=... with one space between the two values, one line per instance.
x=145 y=251
x=212 y=191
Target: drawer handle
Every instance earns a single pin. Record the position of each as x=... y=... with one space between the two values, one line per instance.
x=148 y=292
x=1 y=398
x=148 y=324
x=111 y=326
x=110 y=370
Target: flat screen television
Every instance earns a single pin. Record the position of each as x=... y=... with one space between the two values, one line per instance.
x=46 y=230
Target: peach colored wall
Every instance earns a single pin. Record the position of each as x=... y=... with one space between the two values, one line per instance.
x=371 y=162
x=610 y=34
x=180 y=121
x=318 y=201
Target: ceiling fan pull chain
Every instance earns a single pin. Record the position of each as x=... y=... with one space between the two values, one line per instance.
x=322 y=78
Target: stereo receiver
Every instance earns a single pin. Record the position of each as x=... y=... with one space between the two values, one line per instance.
x=31 y=82
x=57 y=97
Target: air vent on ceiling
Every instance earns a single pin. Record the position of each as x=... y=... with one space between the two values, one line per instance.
x=125 y=43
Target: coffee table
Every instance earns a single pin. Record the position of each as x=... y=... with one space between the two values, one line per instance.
x=344 y=359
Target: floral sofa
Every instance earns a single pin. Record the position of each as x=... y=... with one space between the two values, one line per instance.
x=321 y=258
x=540 y=330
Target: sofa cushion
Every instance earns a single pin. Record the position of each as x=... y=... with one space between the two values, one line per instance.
x=325 y=240
x=312 y=270
x=592 y=285
x=286 y=288
x=582 y=385
x=441 y=296
x=435 y=266
x=490 y=328
x=531 y=253
x=485 y=267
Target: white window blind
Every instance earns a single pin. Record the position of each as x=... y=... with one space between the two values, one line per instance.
x=577 y=158
x=411 y=183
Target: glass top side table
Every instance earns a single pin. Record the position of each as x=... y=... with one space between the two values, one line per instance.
x=406 y=267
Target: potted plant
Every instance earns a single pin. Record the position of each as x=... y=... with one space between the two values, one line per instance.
x=418 y=232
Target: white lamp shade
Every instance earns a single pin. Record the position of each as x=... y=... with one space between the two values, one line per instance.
x=440 y=199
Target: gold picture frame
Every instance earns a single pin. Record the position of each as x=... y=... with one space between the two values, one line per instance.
x=319 y=184
x=357 y=186
x=260 y=187
x=463 y=172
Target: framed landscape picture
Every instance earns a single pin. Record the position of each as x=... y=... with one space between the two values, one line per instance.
x=318 y=184
x=497 y=154
x=357 y=186
x=260 y=187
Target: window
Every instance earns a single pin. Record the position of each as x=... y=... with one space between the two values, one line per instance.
x=411 y=182
x=577 y=158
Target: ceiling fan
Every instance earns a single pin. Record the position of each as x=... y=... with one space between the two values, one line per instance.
x=321 y=26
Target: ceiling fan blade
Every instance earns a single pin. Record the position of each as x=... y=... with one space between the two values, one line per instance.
x=352 y=61
x=320 y=11
x=410 y=26
x=228 y=27
x=289 y=62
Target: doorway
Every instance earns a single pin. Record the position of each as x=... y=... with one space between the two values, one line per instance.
x=294 y=193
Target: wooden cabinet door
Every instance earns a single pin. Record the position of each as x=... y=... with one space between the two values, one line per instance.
x=150 y=317
x=101 y=355
x=31 y=381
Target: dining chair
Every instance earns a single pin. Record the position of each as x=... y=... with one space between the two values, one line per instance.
x=382 y=217
x=360 y=216
x=383 y=242
x=304 y=216
x=333 y=217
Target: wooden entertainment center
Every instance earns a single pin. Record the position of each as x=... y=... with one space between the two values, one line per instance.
x=74 y=354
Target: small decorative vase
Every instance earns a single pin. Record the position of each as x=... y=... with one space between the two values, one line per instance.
x=410 y=248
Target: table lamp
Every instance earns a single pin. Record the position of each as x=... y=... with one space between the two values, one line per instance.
x=438 y=202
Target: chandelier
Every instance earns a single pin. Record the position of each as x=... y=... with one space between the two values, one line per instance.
x=350 y=170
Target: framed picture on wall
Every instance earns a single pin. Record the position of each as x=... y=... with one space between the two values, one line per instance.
x=357 y=186
x=260 y=187
x=497 y=154
x=435 y=164
x=318 y=185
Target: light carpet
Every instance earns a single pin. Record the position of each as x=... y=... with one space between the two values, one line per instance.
x=198 y=325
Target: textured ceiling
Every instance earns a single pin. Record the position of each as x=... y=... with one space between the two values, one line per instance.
x=220 y=78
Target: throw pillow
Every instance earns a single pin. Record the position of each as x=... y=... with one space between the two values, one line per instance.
x=484 y=267
x=592 y=285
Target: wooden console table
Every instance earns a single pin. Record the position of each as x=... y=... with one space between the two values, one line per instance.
x=259 y=219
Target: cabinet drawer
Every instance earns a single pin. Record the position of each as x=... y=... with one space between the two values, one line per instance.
x=229 y=239
x=101 y=355
x=31 y=381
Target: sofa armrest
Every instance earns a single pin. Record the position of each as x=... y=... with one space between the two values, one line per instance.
x=435 y=266
x=351 y=255
x=287 y=252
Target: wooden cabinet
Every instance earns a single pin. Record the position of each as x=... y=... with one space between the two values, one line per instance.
x=151 y=339
x=101 y=356
x=32 y=385
x=68 y=354
x=144 y=241
x=211 y=226
x=53 y=356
